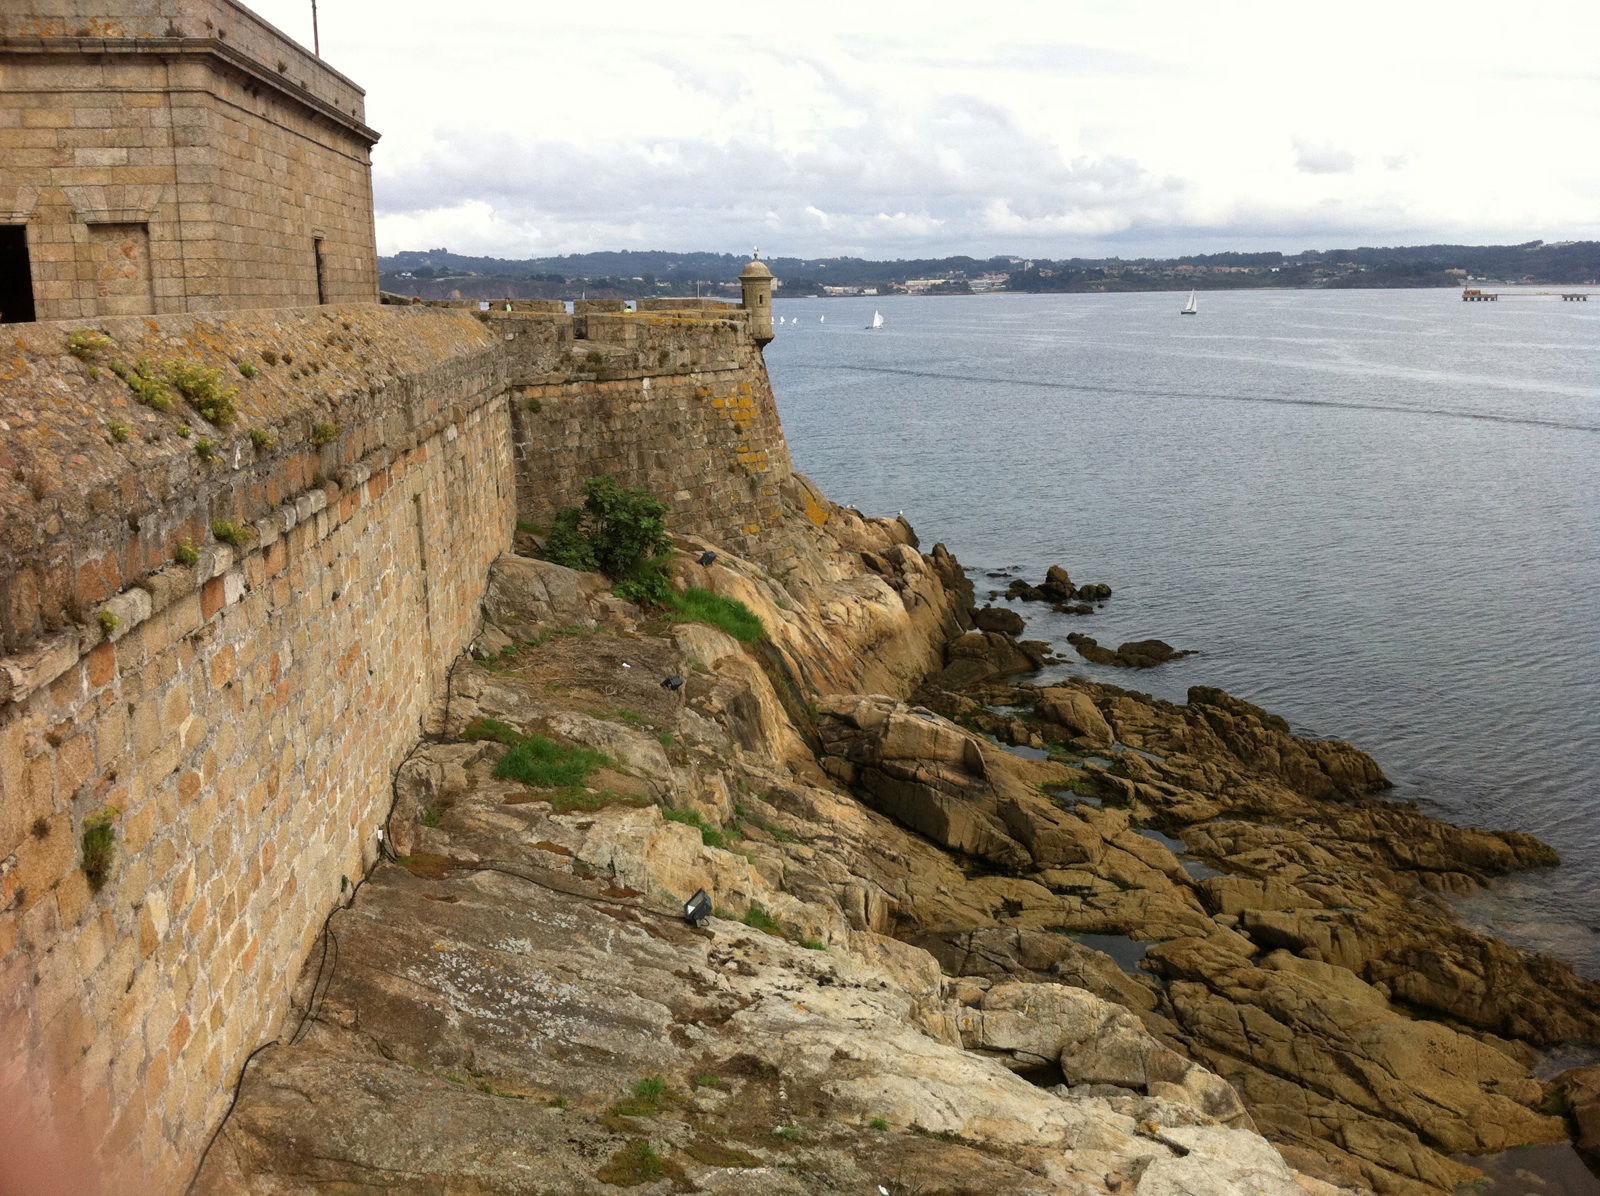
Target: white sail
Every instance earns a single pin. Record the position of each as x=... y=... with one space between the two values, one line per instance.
x=1192 y=307
x=822 y=319
x=877 y=320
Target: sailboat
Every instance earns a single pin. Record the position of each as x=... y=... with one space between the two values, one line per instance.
x=822 y=319
x=877 y=321
x=1191 y=308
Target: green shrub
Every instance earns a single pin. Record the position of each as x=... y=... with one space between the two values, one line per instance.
x=236 y=534
x=546 y=764
x=262 y=439
x=109 y=621
x=186 y=553
x=149 y=387
x=99 y=846
x=628 y=527
x=879 y=1123
x=567 y=544
x=119 y=432
x=185 y=431
x=204 y=389
x=86 y=344
x=324 y=431
x=248 y=369
x=621 y=532
x=205 y=449
x=696 y=605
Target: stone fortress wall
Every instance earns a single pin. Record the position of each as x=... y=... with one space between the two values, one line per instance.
x=673 y=399
x=177 y=155
x=238 y=719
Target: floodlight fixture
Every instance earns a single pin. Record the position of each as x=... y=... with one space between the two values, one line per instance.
x=697 y=909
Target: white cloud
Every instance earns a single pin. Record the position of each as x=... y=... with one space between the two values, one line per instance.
x=1150 y=126
x=1322 y=158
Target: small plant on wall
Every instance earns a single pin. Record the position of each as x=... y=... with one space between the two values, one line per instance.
x=621 y=532
x=99 y=846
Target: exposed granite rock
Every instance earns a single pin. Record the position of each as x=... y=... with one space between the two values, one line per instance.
x=999 y=618
x=1133 y=654
x=1581 y=1087
x=517 y=1005
x=535 y=951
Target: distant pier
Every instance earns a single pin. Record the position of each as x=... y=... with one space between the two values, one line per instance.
x=1479 y=295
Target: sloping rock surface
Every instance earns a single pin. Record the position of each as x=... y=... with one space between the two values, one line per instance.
x=936 y=965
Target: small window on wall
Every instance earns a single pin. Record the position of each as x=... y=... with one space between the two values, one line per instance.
x=16 y=275
x=322 y=277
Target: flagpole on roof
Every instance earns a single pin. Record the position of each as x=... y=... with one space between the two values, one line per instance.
x=316 y=37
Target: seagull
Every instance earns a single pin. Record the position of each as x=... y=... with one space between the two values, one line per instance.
x=673 y=682
x=708 y=558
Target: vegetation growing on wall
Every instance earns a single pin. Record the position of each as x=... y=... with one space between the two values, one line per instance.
x=99 y=846
x=621 y=532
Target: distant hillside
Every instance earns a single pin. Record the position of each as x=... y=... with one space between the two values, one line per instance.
x=438 y=273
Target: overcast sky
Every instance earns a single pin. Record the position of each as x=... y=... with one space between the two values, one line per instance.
x=902 y=130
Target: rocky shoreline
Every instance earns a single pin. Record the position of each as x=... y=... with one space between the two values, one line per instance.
x=973 y=934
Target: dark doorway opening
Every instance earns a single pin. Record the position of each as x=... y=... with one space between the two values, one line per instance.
x=322 y=278
x=16 y=276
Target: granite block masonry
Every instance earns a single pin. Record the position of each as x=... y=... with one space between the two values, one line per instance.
x=225 y=653
x=173 y=156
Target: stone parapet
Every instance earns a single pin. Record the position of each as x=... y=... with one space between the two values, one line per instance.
x=232 y=711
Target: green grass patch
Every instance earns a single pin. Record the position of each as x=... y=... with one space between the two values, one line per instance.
x=648 y=1098
x=545 y=764
x=696 y=605
x=758 y=918
x=636 y=1163
x=879 y=1123
x=492 y=729
x=709 y=835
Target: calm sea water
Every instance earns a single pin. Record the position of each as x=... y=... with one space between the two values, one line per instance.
x=1375 y=513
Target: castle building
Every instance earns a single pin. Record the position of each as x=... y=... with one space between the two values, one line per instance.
x=165 y=156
